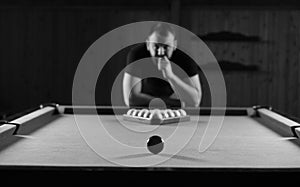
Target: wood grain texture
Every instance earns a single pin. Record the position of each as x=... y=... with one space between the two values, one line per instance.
x=42 y=46
x=277 y=57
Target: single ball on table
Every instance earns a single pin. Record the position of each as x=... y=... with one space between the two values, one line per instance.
x=155 y=144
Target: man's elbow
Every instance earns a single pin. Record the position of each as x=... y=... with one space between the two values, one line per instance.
x=198 y=100
x=130 y=99
x=126 y=101
x=195 y=101
x=133 y=99
x=192 y=103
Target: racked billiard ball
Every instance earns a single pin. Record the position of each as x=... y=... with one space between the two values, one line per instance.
x=156 y=114
x=155 y=144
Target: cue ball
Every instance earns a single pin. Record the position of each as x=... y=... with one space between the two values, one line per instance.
x=155 y=144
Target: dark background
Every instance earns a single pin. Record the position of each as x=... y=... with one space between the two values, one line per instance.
x=256 y=43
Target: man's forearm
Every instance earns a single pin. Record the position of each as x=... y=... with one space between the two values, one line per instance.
x=187 y=93
x=172 y=102
x=143 y=100
x=140 y=99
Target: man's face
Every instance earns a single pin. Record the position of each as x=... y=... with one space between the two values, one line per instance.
x=159 y=46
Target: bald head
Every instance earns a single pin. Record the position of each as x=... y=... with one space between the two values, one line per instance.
x=161 y=40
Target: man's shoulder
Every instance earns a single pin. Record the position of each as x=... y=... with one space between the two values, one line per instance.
x=136 y=53
x=181 y=57
x=138 y=49
x=185 y=62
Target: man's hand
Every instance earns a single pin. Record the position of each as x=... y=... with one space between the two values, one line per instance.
x=189 y=92
x=164 y=65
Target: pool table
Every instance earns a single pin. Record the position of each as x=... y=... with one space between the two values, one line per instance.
x=49 y=139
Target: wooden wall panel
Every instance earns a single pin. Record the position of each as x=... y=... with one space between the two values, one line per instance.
x=293 y=63
x=41 y=47
x=278 y=56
